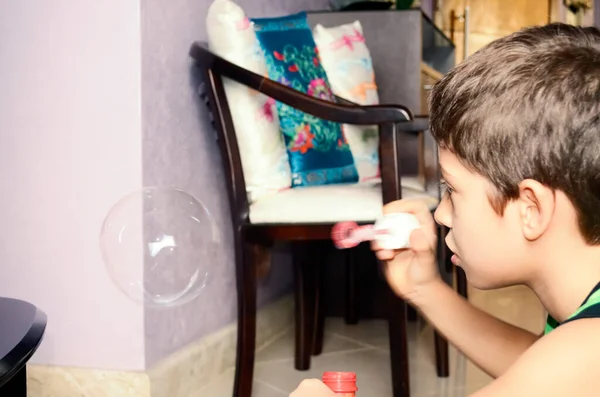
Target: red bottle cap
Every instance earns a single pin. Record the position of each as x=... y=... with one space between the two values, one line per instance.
x=340 y=382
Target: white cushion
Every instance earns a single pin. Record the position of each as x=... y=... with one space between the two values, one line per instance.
x=412 y=182
x=263 y=153
x=326 y=204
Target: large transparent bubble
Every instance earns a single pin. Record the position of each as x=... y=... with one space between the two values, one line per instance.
x=158 y=244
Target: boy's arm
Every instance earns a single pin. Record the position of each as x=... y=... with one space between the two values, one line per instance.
x=492 y=344
x=564 y=363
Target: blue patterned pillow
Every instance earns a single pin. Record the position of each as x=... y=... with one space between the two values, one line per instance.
x=317 y=149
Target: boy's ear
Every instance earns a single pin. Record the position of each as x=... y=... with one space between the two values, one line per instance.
x=537 y=204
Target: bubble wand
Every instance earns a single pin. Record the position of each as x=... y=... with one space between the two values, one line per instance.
x=392 y=231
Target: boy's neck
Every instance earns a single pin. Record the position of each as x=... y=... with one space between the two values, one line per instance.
x=567 y=278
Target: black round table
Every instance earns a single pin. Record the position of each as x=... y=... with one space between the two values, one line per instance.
x=22 y=327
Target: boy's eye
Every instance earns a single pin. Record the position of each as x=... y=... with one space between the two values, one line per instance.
x=446 y=189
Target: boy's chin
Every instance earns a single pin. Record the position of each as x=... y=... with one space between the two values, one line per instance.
x=485 y=282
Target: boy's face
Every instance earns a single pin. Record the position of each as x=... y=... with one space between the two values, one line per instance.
x=488 y=246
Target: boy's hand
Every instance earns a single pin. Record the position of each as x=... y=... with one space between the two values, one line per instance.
x=312 y=388
x=408 y=270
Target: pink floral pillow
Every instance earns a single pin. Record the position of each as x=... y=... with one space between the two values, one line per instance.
x=347 y=61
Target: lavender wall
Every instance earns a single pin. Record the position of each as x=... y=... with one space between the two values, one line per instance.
x=70 y=148
x=79 y=94
x=179 y=150
x=427 y=6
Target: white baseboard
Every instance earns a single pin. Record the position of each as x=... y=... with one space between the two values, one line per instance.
x=182 y=374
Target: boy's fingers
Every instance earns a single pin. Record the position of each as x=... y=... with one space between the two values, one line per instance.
x=416 y=207
x=312 y=387
x=380 y=253
x=385 y=255
x=421 y=245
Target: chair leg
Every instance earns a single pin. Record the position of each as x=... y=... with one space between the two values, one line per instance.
x=304 y=301
x=461 y=283
x=441 y=343
x=351 y=309
x=442 y=361
x=321 y=250
x=246 y=336
x=398 y=346
x=411 y=314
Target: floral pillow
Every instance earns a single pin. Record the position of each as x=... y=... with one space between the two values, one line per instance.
x=317 y=149
x=347 y=61
x=262 y=150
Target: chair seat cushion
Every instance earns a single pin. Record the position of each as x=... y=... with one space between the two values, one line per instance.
x=327 y=204
x=412 y=182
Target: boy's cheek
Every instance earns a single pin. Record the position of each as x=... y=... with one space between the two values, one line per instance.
x=450 y=242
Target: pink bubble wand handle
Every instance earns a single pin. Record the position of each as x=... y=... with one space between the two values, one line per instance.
x=392 y=231
x=350 y=234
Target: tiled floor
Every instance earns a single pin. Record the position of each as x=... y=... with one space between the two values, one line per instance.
x=363 y=348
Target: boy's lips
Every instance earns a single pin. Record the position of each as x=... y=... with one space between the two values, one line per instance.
x=455 y=260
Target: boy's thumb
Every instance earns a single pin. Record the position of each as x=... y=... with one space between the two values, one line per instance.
x=420 y=245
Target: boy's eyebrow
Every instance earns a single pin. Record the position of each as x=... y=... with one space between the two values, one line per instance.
x=445 y=173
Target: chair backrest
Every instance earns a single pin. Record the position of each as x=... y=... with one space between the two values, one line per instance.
x=400 y=43
x=214 y=69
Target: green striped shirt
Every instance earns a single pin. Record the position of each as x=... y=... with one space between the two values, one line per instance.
x=590 y=308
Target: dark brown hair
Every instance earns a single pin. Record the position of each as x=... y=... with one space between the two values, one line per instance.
x=527 y=106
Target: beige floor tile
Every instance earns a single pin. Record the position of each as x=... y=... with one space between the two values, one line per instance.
x=373 y=332
x=364 y=349
x=223 y=387
x=283 y=348
x=263 y=389
x=373 y=372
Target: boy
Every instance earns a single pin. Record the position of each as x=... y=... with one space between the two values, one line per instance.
x=518 y=127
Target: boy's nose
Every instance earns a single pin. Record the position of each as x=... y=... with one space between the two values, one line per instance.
x=442 y=214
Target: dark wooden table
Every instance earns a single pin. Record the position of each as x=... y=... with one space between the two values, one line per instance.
x=22 y=327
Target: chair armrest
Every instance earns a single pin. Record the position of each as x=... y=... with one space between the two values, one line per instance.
x=417 y=125
x=345 y=112
x=346 y=102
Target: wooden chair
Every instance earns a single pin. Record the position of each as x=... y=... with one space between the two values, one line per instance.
x=309 y=236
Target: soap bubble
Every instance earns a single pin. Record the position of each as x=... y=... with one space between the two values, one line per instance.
x=158 y=244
